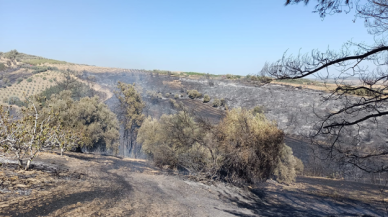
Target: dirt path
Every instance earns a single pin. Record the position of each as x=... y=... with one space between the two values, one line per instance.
x=95 y=185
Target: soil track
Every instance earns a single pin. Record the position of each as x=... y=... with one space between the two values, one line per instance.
x=112 y=186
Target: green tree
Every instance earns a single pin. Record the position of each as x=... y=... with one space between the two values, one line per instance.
x=130 y=114
x=97 y=123
x=26 y=136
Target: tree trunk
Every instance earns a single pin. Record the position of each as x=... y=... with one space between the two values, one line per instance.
x=28 y=165
x=20 y=163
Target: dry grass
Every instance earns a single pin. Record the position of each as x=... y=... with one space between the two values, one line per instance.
x=327 y=87
x=92 y=69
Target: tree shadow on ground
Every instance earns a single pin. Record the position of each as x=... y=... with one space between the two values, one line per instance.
x=272 y=203
x=117 y=188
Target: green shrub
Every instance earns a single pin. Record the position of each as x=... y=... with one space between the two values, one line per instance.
x=206 y=98
x=167 y=95
x=285 y=169
x=216 y=103
x=29 y=80
x=44 y=78
x=19 y=80
x=299 y=167
x=242 y=148
x=193 y=94
x=176 y=96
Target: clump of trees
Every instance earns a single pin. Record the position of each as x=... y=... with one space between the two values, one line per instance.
x=26 y=136
x=89 y=116
x=242 y=148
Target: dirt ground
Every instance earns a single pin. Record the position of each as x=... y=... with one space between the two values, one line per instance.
x=79 y=184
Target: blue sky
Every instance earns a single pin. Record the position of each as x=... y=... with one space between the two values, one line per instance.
x=217 y=36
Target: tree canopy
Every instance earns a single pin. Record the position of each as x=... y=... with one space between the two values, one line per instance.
x=92 y=118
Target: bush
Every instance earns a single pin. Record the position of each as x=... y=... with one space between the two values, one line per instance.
x=206 y=98
x=193 y=94
x=92 y=118
x=29 y=80
x=176 y=96
x=285 y=169
x=216 y=103
x=250 y=146
x=174 y=104
x=299 y=167
x=243 y=148
x=19 y=80
x=44 y=78
x=167 y=95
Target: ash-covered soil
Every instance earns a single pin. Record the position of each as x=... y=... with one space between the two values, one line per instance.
x=96 y=185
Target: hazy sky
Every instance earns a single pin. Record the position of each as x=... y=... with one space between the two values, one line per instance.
x=212 y=36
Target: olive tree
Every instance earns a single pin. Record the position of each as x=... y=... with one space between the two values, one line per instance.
x=130 y=113
x=27 y=135
x=92 y=118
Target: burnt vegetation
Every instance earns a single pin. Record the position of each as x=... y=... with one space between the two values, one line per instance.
x=342 y=134
x=241 y=130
